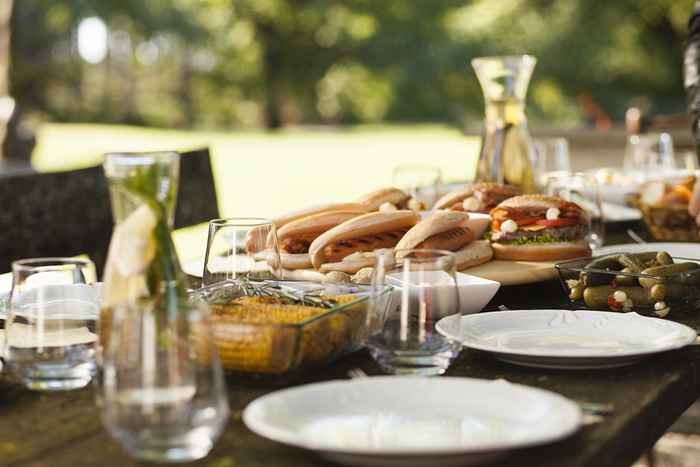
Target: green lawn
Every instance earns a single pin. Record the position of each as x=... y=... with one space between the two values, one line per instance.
x=260 y=174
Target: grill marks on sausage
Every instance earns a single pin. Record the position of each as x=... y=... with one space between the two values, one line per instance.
x=336 y=251
x=452 y=240
x=297 y=244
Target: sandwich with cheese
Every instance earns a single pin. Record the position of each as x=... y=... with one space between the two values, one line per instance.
x=389 y=200
x=480 y=197
x=539 y=228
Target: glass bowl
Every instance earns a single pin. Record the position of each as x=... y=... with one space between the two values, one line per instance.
x=600 y=284
x=264 y=338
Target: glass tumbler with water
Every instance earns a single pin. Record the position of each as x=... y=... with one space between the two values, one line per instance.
x=50 y=332
x=407 y=340
x=163 y=394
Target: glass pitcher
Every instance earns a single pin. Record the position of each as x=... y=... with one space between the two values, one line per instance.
x=506 y=144
x=142 y=262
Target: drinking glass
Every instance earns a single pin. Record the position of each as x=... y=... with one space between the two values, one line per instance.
x=422 y=182
x=245 y=247
x=50 y=332
x=582 y=189
x=404 y=339
x=550 y=155
x=162 y=393
x=649 y=155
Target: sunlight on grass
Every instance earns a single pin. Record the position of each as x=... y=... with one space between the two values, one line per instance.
x=261 y=174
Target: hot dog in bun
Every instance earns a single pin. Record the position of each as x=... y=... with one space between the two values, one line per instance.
x=480 y=197
x=296 y=236
x=539 y=228
x=253 y=241
x=349 y=247
x=447 y=230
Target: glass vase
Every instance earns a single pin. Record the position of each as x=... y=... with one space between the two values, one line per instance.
x=506 y=147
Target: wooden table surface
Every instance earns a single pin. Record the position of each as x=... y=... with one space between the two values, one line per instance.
x=64 y=430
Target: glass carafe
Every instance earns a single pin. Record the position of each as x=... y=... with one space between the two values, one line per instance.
x=160 y=386
x=506 y=144
x=142 y=263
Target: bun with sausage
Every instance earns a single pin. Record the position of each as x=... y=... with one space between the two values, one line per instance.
x=480 y=197
x=254 y=240
x=447 y=230
x=295 y=237
x=539 y=228
x=349 y=247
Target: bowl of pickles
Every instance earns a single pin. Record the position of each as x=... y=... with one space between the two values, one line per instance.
x=272 y=331
x=651 y=283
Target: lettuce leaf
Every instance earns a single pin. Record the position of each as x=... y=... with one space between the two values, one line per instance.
x=540 y=239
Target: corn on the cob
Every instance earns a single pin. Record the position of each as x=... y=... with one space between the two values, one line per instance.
x=245 y=343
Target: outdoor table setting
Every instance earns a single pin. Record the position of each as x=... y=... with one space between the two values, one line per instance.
x=505 y=321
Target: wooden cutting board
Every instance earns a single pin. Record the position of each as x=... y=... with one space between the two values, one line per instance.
x=515 y=272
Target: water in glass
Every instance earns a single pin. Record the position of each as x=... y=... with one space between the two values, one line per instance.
x=50 y=333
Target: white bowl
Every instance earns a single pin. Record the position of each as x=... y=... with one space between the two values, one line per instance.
x=474 y=292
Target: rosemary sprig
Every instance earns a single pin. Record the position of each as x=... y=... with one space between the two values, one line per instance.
x=277 y=292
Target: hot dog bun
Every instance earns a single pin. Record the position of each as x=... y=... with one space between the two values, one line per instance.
x=453 y=197
x=365 y=233
x=310 y=211
x=372 y=201
x=253 y=240
x=447 y=230
x=296 y=236
x=315 y=224
x=542 y=252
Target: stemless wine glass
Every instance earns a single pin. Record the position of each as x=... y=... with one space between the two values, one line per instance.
x=582 y=189
x=422 y=182
x=50 y=332
x=404 y=339
x=162 y=392
x=649 y=155
x=241 y=247
x=550 y=155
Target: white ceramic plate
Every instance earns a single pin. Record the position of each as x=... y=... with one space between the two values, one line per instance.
x=474 y=292
x=566 y=339
x=679 y=250
x=435 y=421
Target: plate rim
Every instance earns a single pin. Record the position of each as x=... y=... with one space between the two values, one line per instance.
x=691 y=335
x=610 y=249
x=570 y=413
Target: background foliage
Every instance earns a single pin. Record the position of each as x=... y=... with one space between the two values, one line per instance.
x=233 y=63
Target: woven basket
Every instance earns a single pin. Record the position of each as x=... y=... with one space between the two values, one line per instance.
x=670 y=222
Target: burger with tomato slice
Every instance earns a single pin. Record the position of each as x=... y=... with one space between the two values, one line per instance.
x=539 y=228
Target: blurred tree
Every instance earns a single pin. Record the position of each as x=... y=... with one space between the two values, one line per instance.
x=274 y=62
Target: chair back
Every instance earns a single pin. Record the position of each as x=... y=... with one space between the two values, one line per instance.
x=69 y=213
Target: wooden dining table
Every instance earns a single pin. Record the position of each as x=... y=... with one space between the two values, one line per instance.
x=64 y=429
